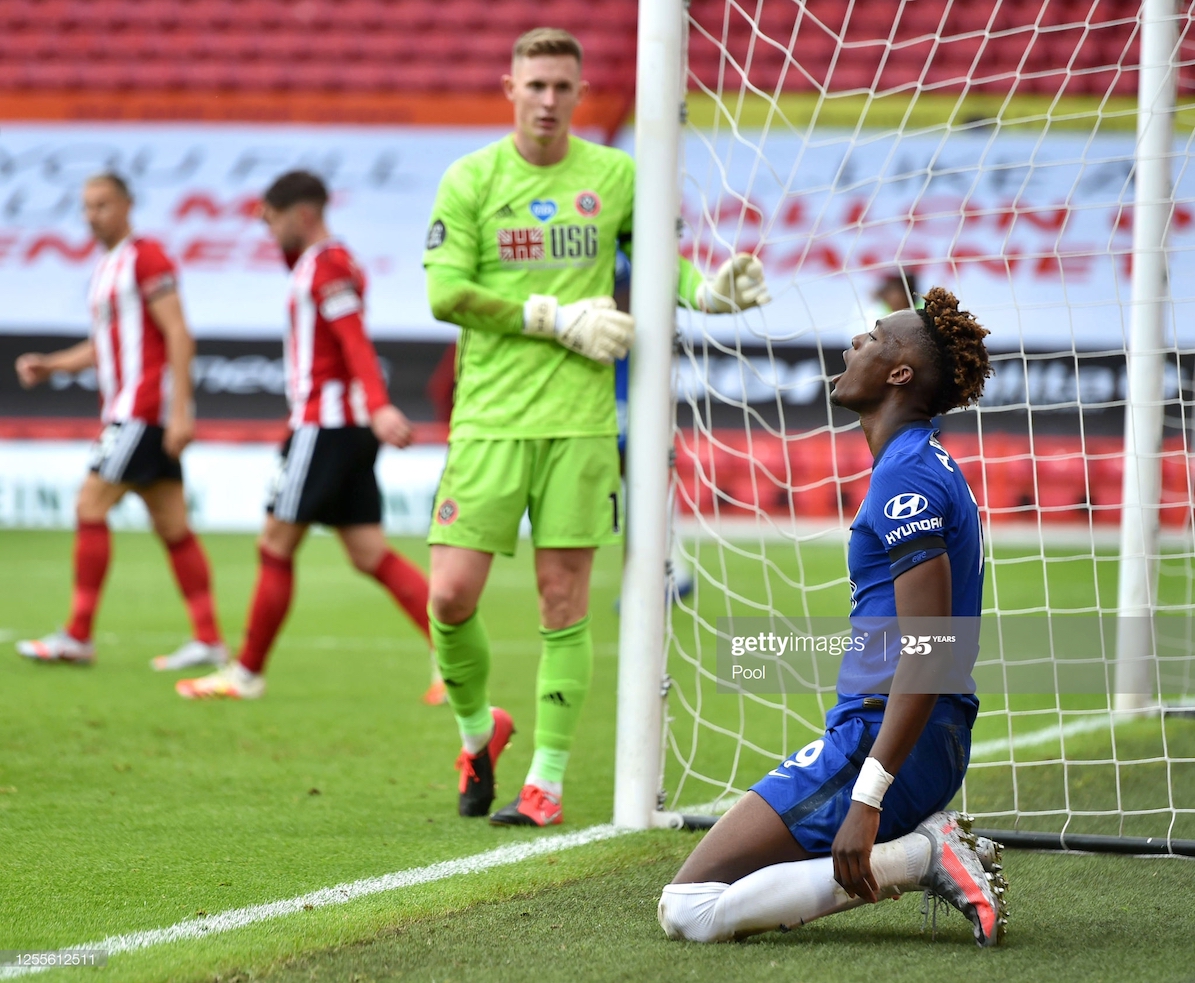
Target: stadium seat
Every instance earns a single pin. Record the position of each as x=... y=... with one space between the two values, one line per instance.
x=213 y=75
x=1008 y=471
x=53 y=75
x=203 y=16
x=289 y=47
x=50 y=15
x=373 y=76
x=475 y=36
x=148 y=16
x=921 y=19
x=1061 y=478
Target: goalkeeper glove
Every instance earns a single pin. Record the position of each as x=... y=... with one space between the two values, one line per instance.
x=592 y=327
x=737 y=285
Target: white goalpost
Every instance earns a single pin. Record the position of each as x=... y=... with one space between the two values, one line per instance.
x=1032 y=158
x=1136 y=595
x=642 y=639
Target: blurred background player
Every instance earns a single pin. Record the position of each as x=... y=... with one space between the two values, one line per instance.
x=141 y=350
x=340 y=412
x=855 y=816
x=520 y=254
x=896 y=292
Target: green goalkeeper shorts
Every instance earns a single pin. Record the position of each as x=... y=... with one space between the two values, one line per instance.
x=570 y=486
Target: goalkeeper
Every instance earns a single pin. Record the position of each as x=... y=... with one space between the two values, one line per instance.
x=520 y=254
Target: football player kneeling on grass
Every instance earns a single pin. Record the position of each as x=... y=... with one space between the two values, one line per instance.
x=858 y=815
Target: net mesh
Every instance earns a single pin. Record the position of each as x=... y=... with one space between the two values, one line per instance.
x=866 y=151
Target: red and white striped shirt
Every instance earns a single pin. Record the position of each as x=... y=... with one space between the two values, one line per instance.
x=332 y=374
x=130 y=349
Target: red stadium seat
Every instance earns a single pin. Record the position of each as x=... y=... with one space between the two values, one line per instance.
x=289 y=47
x=127 y=45
x=52 y=75
x=231 y=46
x=259 y=15
x=51 y=15
x=974 y=18
x=213 y=75
x=1062 y=486
x=149 y=16
x=365 y=76
x=463 y=45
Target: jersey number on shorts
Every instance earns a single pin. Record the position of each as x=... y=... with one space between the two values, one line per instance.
x=802 y=759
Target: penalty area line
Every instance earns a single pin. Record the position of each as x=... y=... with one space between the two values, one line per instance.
x=227 y=921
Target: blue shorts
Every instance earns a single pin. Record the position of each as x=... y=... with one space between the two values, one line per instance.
x=811 y=789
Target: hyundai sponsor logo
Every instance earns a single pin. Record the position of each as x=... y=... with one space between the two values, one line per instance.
x=931 y=525
x=905 y=506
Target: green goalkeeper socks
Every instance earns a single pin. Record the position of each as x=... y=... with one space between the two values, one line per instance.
x=547 y=769
x=463 y=654
x=565 y=669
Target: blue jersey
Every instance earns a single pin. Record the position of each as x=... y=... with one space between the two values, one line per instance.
x=918 y=506
x=622 y=279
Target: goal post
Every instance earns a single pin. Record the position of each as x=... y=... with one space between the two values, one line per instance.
x=1027 y=157
x=659 y=101
x=1143 y=431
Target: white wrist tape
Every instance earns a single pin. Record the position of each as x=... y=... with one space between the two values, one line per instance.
x=871 y=784
x=540 y=316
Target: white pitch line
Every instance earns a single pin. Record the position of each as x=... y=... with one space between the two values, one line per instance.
x=227 y=921
x=1035 y=738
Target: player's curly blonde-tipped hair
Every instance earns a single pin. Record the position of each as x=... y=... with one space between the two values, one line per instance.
x=962 y=358
x=546 y=41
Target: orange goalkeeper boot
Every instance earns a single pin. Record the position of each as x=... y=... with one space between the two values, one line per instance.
x=533 y=807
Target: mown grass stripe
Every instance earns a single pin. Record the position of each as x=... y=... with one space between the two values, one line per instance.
x=227 y=921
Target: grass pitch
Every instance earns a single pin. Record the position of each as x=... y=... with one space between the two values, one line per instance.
x=124 y=808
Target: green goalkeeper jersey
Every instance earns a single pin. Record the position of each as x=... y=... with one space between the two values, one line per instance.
x=501 y=230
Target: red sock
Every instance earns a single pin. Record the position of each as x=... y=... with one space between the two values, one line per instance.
x=271 y=601
x=407 y=585
x=93 y=549
x=194 y=580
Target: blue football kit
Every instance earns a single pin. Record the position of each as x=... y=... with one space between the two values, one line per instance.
x=622 y=375
x=918 y=506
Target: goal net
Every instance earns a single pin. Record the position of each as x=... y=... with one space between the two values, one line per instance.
x=866 y=151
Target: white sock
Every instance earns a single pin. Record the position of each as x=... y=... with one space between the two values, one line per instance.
x=901 y=863
x=475 y=742
x=786 y=895
x=688 y=911
x=243 y=675
x=554 y=789
x=477 y=730
x=782 y=895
